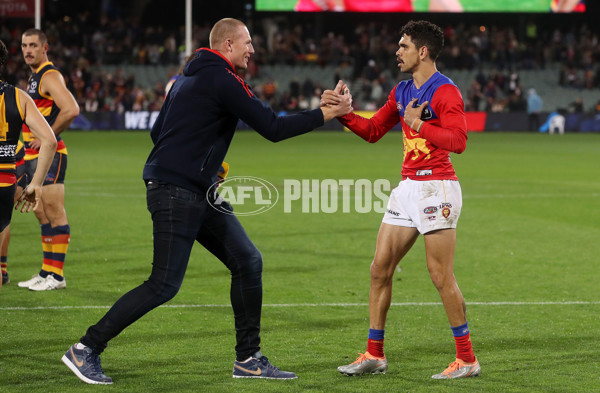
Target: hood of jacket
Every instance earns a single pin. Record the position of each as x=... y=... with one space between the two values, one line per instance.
x=206 y=57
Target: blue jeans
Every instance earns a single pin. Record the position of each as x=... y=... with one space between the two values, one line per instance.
x=179 y=218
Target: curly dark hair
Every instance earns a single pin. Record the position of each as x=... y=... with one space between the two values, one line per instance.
x=424 y=33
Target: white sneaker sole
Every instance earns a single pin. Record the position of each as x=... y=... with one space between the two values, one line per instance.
x=85 y=379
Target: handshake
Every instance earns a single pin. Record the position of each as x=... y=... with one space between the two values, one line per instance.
x=336 y=102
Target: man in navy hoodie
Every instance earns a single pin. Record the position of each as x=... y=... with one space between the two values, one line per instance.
x=191 y=136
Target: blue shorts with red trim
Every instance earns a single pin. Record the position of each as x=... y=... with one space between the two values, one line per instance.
x=56 y=173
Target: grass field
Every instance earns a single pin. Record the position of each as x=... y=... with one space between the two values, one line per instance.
x=526 y=261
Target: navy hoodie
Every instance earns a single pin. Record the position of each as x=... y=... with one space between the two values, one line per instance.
x=194 y=128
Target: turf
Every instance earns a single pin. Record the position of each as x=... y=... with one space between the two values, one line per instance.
x=526 y=262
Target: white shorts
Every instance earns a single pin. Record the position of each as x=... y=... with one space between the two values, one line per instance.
x=425 y=205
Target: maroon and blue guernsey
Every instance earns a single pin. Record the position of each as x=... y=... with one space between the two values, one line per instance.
x=427 y=153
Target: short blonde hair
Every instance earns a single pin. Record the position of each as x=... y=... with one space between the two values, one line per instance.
x=226 y=28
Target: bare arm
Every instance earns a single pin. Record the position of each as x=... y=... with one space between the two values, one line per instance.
x=451 y=135
x=43 y=133
x=53 y=84
x=371 y=130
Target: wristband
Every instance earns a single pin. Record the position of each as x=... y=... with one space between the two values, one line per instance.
x=413 y=123
x=419 y=127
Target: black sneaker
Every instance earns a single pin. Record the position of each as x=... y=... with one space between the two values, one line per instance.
x=259 y=367
x=5 y=279
x=86 y=365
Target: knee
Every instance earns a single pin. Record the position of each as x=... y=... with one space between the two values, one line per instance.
x=168 y=292
x=163 y=291
x=440 y=278
x=254 y=264
x=250 y=262
x=54 y=210
x=381 y=273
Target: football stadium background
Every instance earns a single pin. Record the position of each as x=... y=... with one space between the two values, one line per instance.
x=527 y=248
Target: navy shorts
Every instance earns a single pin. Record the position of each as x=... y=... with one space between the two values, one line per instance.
x=22 y=176
x=7 y=196
x=56 y=173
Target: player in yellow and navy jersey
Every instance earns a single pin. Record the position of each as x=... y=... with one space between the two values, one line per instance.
x=47 y=87
x=16 y=109
x=22 y=181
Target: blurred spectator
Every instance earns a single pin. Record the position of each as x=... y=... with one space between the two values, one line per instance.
x=576 y=106
x=490 y=93
x=554 y=123
x=557 y=124
x=534 y=107
x=513 y=81
x=308 y=87
x=295 y=87
x=303 y=103
x=84 y=44
x=516 y=102
x=315 y=100
x=371 y=72
x=474 y=96
x=270 y=88
x=377 y=93
x=91 y=101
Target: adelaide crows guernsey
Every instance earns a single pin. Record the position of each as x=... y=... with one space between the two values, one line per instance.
x=11 y=122
x=426 y=154
x=45 y=105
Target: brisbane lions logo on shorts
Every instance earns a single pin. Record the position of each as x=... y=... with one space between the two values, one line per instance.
x=446 y=209
x=446 y=212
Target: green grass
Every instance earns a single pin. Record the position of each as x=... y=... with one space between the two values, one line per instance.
x=527 y=248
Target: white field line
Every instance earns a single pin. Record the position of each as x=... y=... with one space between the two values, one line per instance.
x=409 y=304
x=346 y=197
x=107 y=194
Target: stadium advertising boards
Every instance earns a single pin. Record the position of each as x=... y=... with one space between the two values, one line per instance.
x=19 y=8
x=541 y=6
x=476 y=121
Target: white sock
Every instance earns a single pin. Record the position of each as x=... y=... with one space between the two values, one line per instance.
x=79 y=346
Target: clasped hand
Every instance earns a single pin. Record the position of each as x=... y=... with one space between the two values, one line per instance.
x=338 y=97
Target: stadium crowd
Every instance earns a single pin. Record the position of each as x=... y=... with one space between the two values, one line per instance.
x=80 y=46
